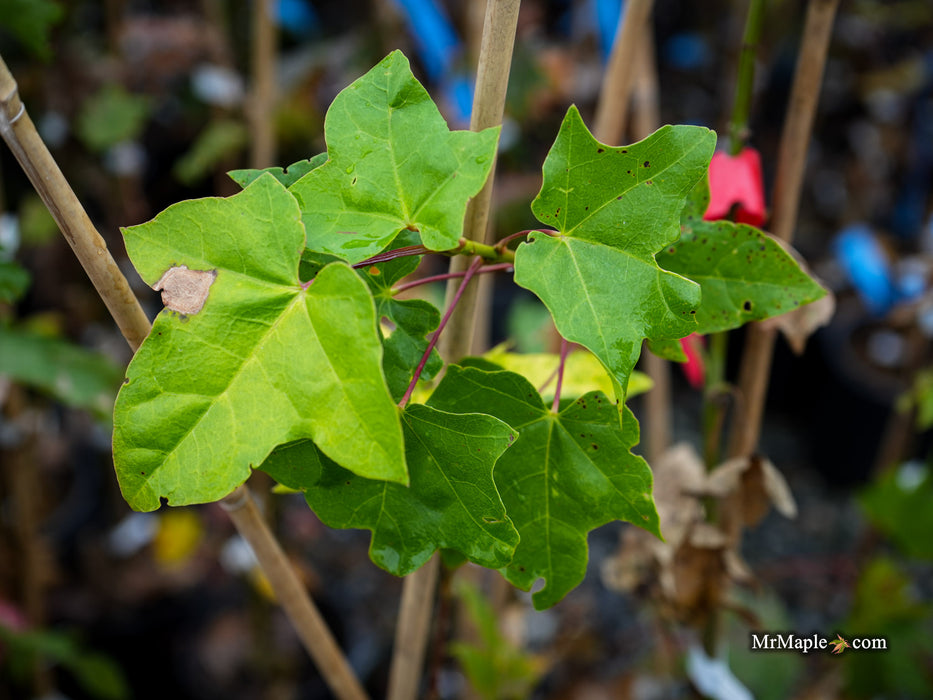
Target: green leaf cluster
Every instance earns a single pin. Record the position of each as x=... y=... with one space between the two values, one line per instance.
x=285 y=345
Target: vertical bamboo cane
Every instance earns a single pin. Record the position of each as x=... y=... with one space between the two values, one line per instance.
x=262 y=104
x=488 y=107
x=611 y=111
x=795 y=139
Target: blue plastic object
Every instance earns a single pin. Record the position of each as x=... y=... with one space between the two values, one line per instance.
x=296 y=16
x=439 y=49
x=438 y=44
x=687 y=51
x=867 y=267
x=607 y=22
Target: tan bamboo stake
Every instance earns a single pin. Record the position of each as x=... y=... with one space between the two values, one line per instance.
x=43 y=172
x=20 y=134
x=292 y=595
x=492 y=79
x=645 y=120
x=262 y=104
x=795 y=140
x=611 y=110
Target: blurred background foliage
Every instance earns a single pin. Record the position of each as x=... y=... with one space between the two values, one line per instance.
x=144 y=104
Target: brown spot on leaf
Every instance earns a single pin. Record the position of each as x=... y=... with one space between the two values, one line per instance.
x=184 y=290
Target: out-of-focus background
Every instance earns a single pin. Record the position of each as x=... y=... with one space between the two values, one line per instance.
x=147 y=103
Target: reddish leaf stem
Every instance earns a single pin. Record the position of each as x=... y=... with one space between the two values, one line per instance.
x=450 y=275
x=564 y=351
x=550 y=378
x=467 y=276
x=392 y=255
x=502 y=244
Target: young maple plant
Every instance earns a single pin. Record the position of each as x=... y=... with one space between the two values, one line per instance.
x=270 y=353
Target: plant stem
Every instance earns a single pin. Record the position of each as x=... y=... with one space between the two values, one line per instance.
x=465 y=247
x=450 y=275
x=716 y=390
x=609 y=126
x=488 y=107
x=564 y=351
x=745 y=79
x=714 y=399
x=20 y=134
x=795 y=139
x=715 y=394
x=489 y=252
x=467 y=276
x=404 y=252
x=292 y=596
x=43 y=172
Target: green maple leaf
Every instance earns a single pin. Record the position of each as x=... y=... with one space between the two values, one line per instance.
x=264 y=361
x=451 y=503
x=287 y=176
x=393 y=165
x=614 y=209
x=413 y=320
x=743 y=273
x=567 y=473
x=839 y=644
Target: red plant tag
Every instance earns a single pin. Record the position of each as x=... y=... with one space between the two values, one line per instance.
x=736 y=180
x=694 y=369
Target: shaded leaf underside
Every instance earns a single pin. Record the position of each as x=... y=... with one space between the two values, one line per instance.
x=451 y=502
x=566 y=474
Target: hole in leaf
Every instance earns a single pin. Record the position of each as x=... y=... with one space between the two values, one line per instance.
x=747 y=305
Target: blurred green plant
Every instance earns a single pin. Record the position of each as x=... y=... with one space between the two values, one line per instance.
x=34 y=356
x=496 y=668
x=898 y=504
x=31 y=22
x=111 y=116
x=70 y=374
x=220 y=140
x=14 y=281
x=888 y=604
x=95 y=673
